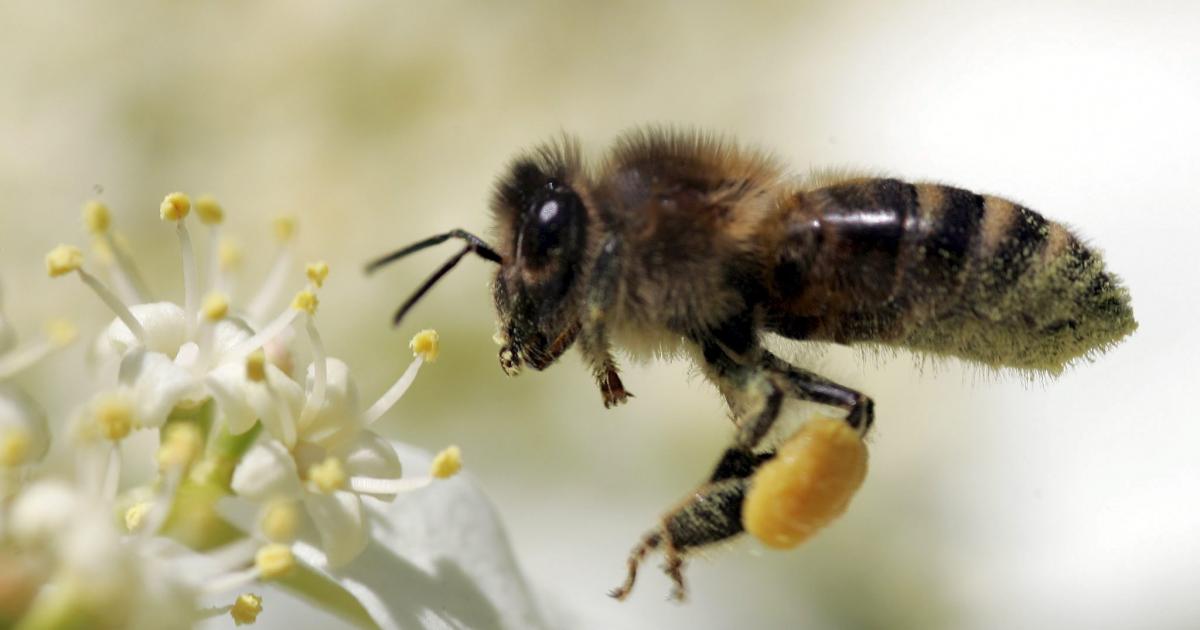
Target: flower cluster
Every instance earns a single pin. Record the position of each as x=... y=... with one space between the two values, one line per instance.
x=232 y=430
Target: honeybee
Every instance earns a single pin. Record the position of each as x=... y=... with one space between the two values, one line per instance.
x=680 y=241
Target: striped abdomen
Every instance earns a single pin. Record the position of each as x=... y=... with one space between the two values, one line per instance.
x=941 y=270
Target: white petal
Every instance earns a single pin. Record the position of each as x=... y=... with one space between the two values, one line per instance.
x=228 y=386
x=369 y=455
x=339 y=419
x=19 y=412
x=165 y=325
x=228 y=333
x=266 y=472
x=341 y=522
x=158 y=384
x=438 y=558
x=43 y=510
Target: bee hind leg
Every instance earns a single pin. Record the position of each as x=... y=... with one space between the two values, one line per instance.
x=710 y=514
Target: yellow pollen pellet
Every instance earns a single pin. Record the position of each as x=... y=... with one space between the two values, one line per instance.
x=182 y=443
x=209 y=211
x=174 y=207
x=246 y=609
x=285 y=228
x=61 y=332
x=305 y=301
x=14 y=447
x=136 y=514
x=229 y=255
x=425 y=345
x=328 y=476
x=114 y=417
x=447 y=463
x=256 y=366
x=317 y=272
x=63 y=260
x=215 y=306
x=274 y=560
x=807 y=485
x=280 y=521
x=96 y=217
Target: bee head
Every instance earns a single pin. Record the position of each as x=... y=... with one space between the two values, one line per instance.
x=542 y=223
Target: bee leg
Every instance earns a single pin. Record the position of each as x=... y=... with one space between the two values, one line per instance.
x=593 y=338
x=710 y=514
x=804 y=385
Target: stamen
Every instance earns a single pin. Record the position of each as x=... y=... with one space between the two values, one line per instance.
x=191 y=286
x=209 y=211
x=273 y=329
x=379 y=486
x=63 y=260
x=425 y=348
x=285 y=228
x=313 y=405
x=115 y=305
x=96 y=217
x=59 y=333
x=215 y=306
x=317 y=272
x=245 y=609
x=393 y=394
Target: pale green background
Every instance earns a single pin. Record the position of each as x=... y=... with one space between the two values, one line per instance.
x=991 y=503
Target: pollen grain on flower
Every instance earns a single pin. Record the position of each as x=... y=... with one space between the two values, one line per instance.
x=114 y=417
x=305 y=301
x=447 y=463
x=245 y=609
x=96 y=217
x=317 y=272
x=209 y=211
x=273 y=561
x=175 y=207
x=425 y=344
x=284 y=228
x=63 y=260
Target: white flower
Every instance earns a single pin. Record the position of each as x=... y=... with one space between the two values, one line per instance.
x=87 y=572
x=330 y=459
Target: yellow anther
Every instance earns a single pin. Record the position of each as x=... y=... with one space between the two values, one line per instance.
x=256 y=366
x=61 y=331
x=317 y=272
x=328 y=476
x=174 y=207
x=136 y=514
x=182 y=443
x=305 y=301
x=229 y=255
x=425 y=345
x=245 y=609
x=215 y=306
x=114 y=417
x=285 y=228
x=96 y=217
x=63 y=260
x=15 y=445
x=279 y=521
x=447 y=463
x=808 y=483
x=209 y=211
x=274 y=560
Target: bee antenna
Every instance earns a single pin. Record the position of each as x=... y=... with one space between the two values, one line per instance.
x=474 y=244
x=428 y=284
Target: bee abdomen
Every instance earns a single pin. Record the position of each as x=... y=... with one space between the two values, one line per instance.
x=947 y=271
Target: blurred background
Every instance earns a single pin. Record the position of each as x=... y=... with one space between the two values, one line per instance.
x=991 y=503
